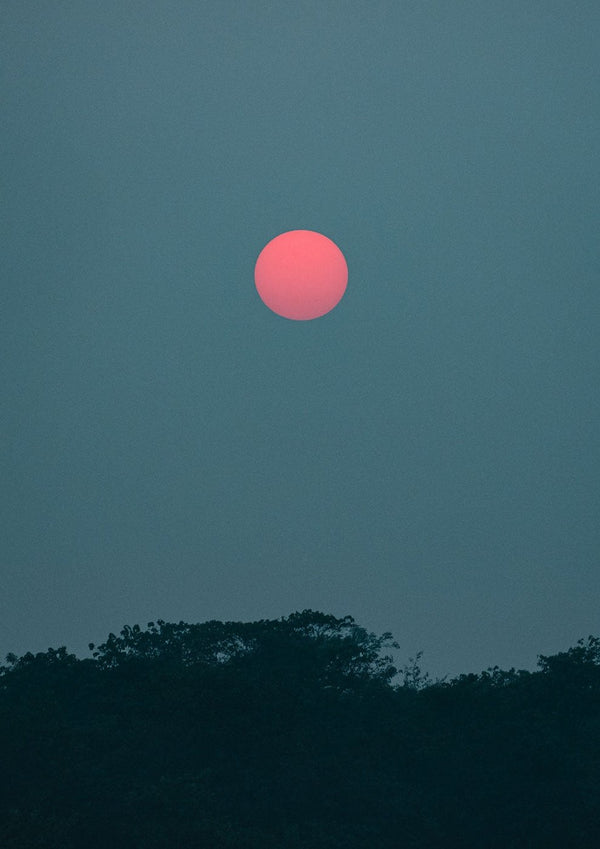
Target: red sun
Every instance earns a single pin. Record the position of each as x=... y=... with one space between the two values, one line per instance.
x=301 y=275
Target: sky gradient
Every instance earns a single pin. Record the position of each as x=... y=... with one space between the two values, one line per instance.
x=426 y=457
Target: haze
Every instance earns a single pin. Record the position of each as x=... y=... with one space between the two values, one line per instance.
x=426 y=456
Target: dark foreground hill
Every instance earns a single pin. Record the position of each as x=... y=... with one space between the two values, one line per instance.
x=289 y=734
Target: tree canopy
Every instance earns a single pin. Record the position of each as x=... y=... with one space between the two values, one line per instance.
x=293 y=733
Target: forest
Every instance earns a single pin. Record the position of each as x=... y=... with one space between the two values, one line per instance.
x=296 y=733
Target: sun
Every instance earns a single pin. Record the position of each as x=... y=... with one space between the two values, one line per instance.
x=301 y=275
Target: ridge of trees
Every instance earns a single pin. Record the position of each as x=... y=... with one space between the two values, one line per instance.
x=292 y=733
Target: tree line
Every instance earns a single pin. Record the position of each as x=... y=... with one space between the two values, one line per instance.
x=291 y=734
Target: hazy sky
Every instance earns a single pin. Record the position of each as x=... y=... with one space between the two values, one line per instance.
x=426 y=457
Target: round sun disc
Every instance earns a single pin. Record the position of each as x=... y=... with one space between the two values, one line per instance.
x=301 y=275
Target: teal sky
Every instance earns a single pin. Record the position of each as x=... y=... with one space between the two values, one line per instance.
x=426 y=457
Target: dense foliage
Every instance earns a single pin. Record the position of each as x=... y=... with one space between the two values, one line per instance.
x=290 y=734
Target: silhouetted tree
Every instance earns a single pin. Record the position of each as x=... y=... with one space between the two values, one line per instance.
x=290 y=734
